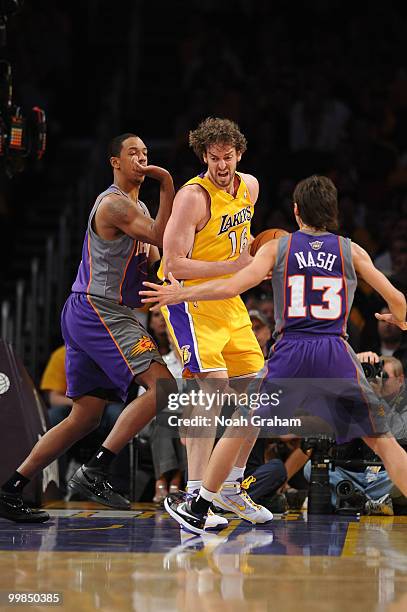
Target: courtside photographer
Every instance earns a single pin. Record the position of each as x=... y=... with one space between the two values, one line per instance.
x=358 y=481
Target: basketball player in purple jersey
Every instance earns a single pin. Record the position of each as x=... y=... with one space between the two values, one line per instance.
x=314 y=279
x=108 y=352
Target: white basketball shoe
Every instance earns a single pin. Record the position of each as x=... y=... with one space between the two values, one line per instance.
x=233 y=497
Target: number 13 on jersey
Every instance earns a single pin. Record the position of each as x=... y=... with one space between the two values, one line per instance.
x=331 y=287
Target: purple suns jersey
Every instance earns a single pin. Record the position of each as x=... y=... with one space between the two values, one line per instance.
x=314 y=282
x=112 y=269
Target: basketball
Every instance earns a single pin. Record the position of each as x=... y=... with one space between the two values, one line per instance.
x=266 y=236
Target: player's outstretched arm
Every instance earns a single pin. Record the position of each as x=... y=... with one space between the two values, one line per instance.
x=396 y=301
x=252 y=275
x=187 y=217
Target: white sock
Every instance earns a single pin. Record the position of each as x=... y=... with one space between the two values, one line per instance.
x=205 y=494
x=193 y=485
x=235 y=473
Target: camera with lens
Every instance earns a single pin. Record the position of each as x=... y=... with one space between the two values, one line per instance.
x=374 y=370
x=319 y=494
x=354 y=457
x=349 y=500
x=326 y=456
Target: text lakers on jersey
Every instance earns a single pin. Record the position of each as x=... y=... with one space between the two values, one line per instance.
x=238 y=218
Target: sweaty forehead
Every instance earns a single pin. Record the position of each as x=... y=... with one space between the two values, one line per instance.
x=134 y=143
x=220 y=149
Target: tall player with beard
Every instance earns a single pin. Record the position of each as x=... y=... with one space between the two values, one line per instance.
x=207 y=237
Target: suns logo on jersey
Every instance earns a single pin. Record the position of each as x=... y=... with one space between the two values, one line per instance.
x=185 y=354
x=142 y=346
x=316 y=245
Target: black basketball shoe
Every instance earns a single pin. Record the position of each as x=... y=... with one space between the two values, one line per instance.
x=178 y=505
x=13 y=508
x=95 y=486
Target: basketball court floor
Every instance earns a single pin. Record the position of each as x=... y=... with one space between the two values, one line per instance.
x=139 y=560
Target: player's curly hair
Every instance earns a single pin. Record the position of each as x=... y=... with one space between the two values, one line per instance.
x=214 y=130
x=317 y=201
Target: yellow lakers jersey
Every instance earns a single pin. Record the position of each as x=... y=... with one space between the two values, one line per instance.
x=227 y=231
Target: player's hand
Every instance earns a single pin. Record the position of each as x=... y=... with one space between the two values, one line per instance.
x=368 y=357
x=389 y=318
x=162 y=295
x=154 y=172
x=243 y=260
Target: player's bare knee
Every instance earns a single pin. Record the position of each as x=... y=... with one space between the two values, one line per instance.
x=158 y=381
x=155 y=372
x=84 y=423
x=214 y=385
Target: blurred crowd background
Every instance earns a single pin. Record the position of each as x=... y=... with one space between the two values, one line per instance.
x=316 y=88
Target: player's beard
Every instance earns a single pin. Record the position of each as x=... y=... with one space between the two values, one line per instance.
x=223 y=182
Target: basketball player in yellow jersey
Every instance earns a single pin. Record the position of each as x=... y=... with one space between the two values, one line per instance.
x=207 y=237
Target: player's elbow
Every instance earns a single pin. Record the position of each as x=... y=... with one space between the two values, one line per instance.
x=399 y=301
x=231 y=294
x=402 y=298
x=156 y=234
x=397 y=304
x=172 y=264
x=157 y=239
x=229 y=291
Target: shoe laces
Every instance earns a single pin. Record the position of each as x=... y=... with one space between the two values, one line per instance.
x=16 y=501
x=249 y=500
x=243 y=488
x=247 y=482
x=104 y=485
x=13 y=500
x=100 y=482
